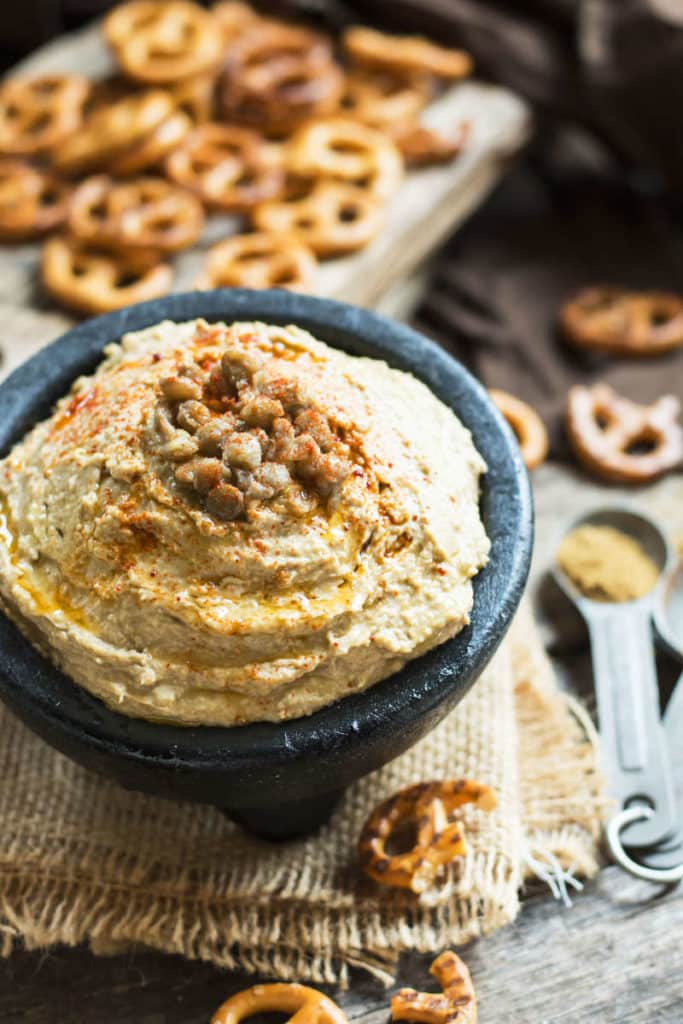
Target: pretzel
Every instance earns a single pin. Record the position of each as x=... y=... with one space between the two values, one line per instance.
x=278 y=76
x=457 y=1004
x=382 y=100
x=439 y=841
x=144 y=214
x=195 y=97
x=105 y=92
x=152 y=151
x=332 y=219
x=227 y=167
x=421 y=146
x=348 y=151
x=305 y=1005
x=112 y=131
x=604 y=429
x=233 y=17
x=259 y=261
x=623 y=322
x=37 y=114
x=93 y=283
x=405 y=55
x=526 y=424
x=162 y=41
x=32 y=201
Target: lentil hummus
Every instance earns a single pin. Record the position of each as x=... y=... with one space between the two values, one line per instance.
x=227 y=524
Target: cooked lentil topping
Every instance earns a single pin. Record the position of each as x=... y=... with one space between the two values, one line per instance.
x=242 y=434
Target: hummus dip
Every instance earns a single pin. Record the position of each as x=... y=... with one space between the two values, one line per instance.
x=229 y=524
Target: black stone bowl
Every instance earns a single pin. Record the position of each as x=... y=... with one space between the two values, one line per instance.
x=279 y=780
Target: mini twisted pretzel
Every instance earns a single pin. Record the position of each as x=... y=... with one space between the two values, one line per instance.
x=457 y=1004
x=195 y=97
x=607 y=430
x=162 y=41
x=623 y=322
x=32 y=201
x=420 y=146
x=305 y=1005
x=94 y=283
x=227 y=167
x=333 y=219
x=152 y=152
x=233 y=17
x=345 y=150
x=526 y=424
x=405 y=55
x=112 y=131
x=259 y=261
x=143 y=214
x=37 y=114
x=382 y=100
x=278 y=76
x=439 y=841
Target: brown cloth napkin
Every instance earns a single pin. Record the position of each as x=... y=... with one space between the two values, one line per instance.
x=83 y=860
x=493 y=297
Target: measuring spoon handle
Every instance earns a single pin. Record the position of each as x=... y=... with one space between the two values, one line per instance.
x=633 y=738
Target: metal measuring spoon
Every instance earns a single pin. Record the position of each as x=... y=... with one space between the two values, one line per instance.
x=633 y=742
x=668 y=620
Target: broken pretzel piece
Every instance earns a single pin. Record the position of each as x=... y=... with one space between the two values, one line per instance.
x=439 y=840
x=456 y=1005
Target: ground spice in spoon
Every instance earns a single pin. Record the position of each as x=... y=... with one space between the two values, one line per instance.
x=606 y=564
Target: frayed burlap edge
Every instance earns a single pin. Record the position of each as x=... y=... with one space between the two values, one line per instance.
x=561 y=803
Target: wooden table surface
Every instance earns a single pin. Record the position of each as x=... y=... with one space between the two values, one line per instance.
x=615 y=957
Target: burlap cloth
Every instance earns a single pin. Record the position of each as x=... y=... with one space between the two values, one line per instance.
x=82 y=860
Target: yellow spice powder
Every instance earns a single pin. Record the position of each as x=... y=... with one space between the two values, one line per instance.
x=606 y=564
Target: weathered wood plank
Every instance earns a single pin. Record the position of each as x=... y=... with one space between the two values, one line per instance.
x=615 y=958
x=430 y=204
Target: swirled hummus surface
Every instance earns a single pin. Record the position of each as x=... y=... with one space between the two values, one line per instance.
x=227 y=524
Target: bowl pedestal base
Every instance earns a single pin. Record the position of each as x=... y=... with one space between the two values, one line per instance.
x=289 y=820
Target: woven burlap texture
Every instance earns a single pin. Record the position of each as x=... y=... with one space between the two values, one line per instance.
x=84 y=860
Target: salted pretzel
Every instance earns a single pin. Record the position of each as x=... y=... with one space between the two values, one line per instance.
x=277 y=76
x=259 y=260
x=229 y=168
x=304 y=1005
x=421 y=146
x=333 y=218
x=112 y=131
x=405 y=55
x=93 y=283
x=526 y=424
x=37 y=114
x=382 y=100
x=148 y=214
x=32 y=201
x=439 y=840
x=162 y=41
x=620 y=440
x=152 y=151
x=456 y=1005
x=619 y=321
x=345 y=150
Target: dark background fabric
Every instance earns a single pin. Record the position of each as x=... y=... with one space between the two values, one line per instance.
x=596 y=199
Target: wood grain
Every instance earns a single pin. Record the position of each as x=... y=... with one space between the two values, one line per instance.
x=614 y=958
